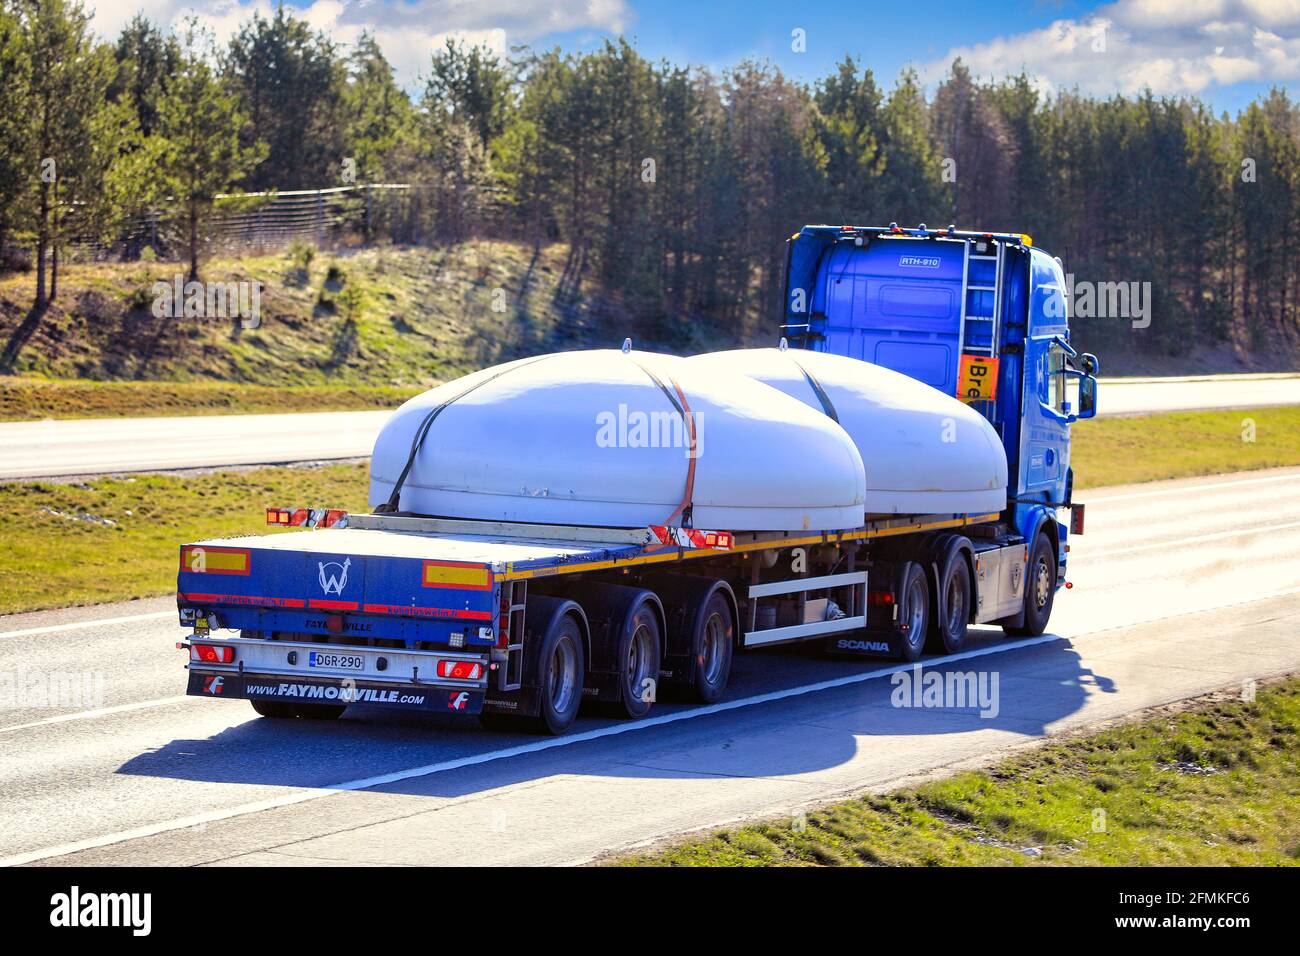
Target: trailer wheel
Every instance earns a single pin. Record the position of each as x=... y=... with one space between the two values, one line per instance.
x=1040 y=589
x=713 y=646
x=915 y=611
x=274 y=709
x=319 y=711
x=640 y=648
x=560 y=670
x=952 y=608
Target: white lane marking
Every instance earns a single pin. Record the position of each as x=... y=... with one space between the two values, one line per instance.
x=614 y=730
x=101 y=712
x=397 y=776
x=1184 y=489
x=167 y=701
x=99 y=622
x=1194 y=539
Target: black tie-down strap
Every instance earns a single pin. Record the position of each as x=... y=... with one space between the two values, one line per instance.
x=677 y=398
x=827 y=406
x=390 y=506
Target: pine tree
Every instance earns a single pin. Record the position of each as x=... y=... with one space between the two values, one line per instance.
x=290 y=82
x=202 y=154
x=16 y=158
x=146 y=59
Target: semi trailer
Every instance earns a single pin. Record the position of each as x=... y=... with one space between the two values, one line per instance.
x=614 y=526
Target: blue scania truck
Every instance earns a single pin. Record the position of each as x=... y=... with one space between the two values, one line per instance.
x=520 y=623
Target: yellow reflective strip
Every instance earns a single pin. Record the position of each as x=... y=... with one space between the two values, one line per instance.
x=225 y=560
x=828 y=538
x=476 y=576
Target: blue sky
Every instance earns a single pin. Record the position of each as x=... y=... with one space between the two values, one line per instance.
x=1224 y=51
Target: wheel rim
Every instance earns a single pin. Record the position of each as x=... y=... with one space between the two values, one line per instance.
x=956 y=605
x=1042 y=583
x=915 y=612
x=713 y=651
x=639 y=660
x=564 y=675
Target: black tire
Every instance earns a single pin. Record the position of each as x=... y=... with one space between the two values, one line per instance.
x=1040 y=589
x=501 y=723
x=274 y=709
x=947 y=632
x=320 y=711
x=561 y=666
x=714 y=642
x=640 y=652
x=914 y=611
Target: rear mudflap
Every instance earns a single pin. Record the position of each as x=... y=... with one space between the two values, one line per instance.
x=864 y=644
x=316 y=690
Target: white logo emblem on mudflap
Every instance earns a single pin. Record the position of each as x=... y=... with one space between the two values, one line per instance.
x=334 y=576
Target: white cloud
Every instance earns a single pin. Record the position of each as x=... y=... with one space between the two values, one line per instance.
x=408 y=31
x=1171 y=46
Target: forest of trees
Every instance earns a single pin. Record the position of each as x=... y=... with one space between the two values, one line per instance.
x=672 y=187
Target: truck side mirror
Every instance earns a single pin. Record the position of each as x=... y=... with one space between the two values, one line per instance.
x=1088 y=364
x=1087 y=396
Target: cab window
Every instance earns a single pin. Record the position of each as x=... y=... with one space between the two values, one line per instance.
x=1056 y=378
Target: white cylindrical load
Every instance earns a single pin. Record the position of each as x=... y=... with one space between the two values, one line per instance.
x=590 y=438
x=925 y=452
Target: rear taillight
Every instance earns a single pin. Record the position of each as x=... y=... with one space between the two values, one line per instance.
x=306 y=517
x=1076 y=518
x=212 y=654
x=503 y=617
x=460 y=670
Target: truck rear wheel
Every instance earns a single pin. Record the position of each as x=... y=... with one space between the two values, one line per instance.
x=1040 y=589
x=914 y=612
x=320 y=711
x=560 y=670
x=713 y=647
x=952 y=608
x=640 y=647
x=274 y=709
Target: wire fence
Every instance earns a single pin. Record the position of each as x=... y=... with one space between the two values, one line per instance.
x=251 y=223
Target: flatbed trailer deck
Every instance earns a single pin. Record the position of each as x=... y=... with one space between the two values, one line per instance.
x=433 y=614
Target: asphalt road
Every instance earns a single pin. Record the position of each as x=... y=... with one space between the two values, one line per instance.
x=1180 y=588
x=98 y=446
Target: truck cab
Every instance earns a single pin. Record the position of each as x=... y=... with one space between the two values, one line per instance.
x=979 y=315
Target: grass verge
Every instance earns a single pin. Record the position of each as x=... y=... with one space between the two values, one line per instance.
x=116 y=538
x=28 y=399
x=1217 y=784
x=1122 y=451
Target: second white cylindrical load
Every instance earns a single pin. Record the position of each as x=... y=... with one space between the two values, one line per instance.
x=594 y=438
x=924 y=452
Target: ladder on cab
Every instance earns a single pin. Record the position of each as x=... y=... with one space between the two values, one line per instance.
x=981 y=302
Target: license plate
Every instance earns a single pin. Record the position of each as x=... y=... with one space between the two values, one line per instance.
x=345 y=662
